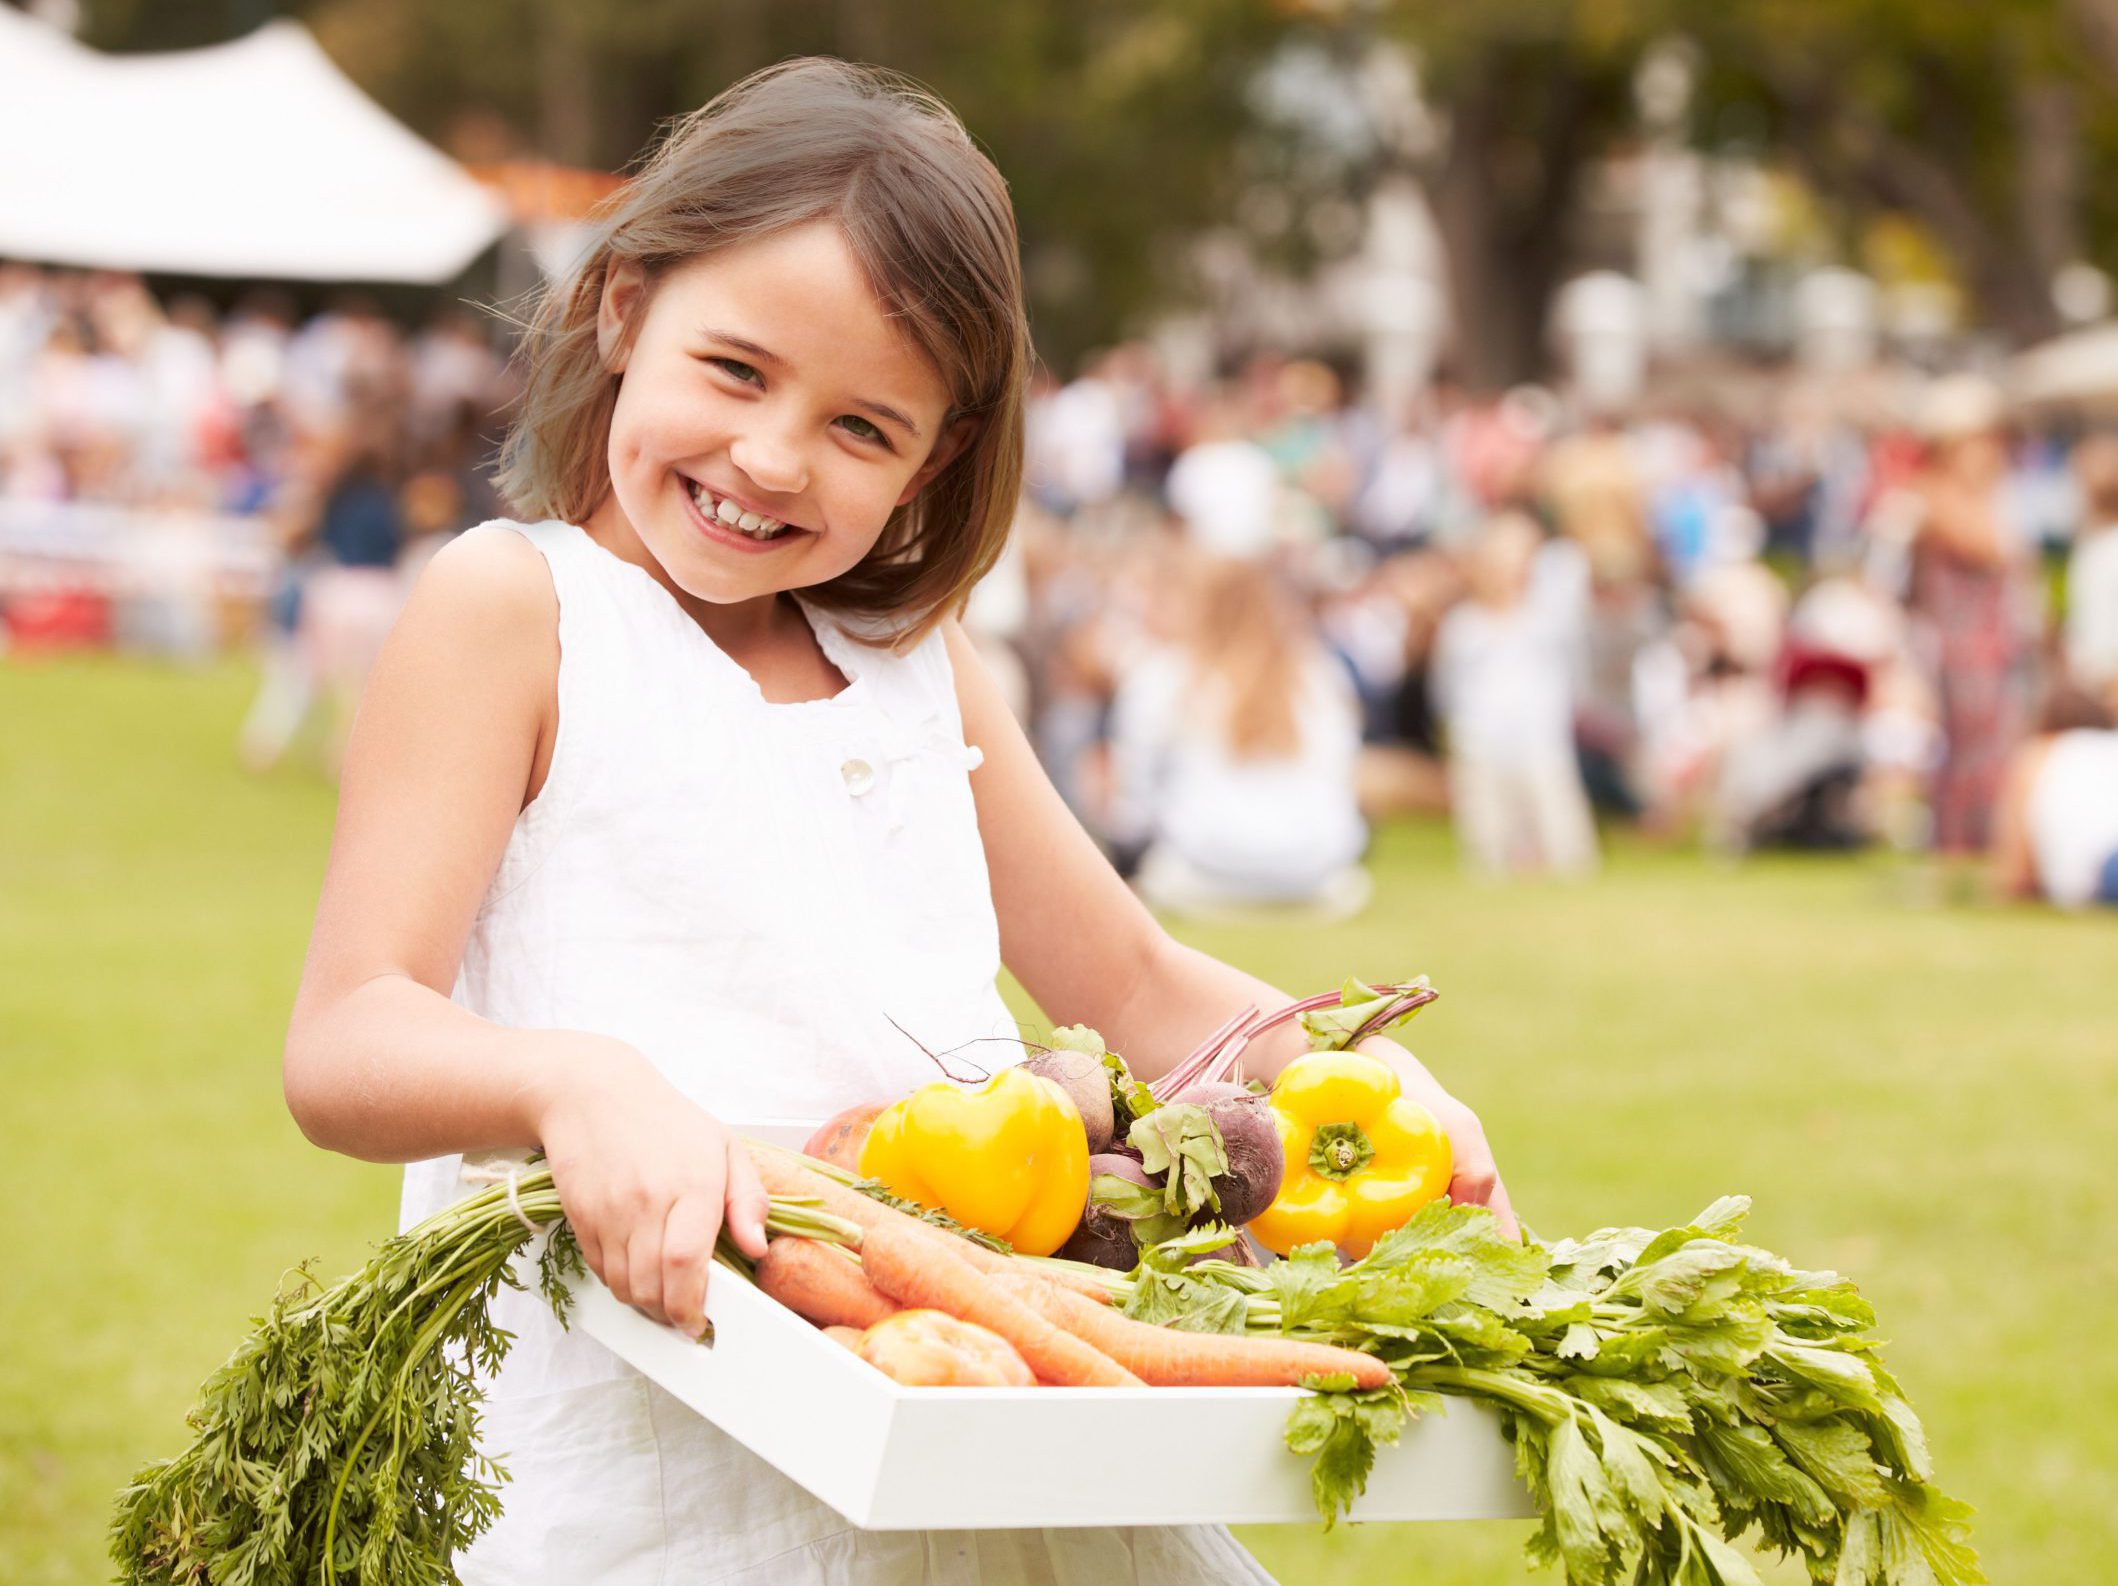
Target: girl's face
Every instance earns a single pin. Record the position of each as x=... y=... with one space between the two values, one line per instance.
x=768 y=419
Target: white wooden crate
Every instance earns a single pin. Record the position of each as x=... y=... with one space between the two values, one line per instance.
x=899 y=1458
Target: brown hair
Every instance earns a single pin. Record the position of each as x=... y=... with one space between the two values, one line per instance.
x=1248 y=639
x=928 y=218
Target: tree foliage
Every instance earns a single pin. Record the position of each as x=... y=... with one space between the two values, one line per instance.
x=1126 y=129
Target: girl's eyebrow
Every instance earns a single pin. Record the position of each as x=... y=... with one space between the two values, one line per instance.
x=749 y=348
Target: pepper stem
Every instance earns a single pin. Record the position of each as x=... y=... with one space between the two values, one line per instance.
x=1340 y=1150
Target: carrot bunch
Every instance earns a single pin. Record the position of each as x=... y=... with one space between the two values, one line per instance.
x=1059 y=1321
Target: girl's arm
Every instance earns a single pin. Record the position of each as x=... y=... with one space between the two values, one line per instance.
x=452 y=738
x=1090 y=952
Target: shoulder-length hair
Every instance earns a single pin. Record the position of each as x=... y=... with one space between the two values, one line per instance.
x=927 y=217
x=1250 y=652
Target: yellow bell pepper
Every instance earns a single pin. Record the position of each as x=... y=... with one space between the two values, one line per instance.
x=1009 y=1158
x=1361 y=1157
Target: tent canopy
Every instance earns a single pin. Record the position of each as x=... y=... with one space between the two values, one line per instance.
x=255 y=158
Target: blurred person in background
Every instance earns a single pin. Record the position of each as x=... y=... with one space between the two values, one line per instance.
x=1494 y=451
x=342 y=530
x=1224 y=488
x=1713 y=684
x=1970 y=595
x=1306 y=437
x=2056 y=825
x=1626 y=619
x=352 y=599
x=1399 y=500
x=1594 y=486
x=1502 y=681
x=1406 y=595
x=1076 y=443
x=1797 y=782
x=1233 y=757
x=2092 y=573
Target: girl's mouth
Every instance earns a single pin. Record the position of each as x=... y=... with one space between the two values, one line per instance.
x=726 y=520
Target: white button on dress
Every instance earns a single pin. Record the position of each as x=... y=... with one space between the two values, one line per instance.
x=858 y=776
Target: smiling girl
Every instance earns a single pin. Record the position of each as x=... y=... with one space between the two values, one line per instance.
x=665 y=808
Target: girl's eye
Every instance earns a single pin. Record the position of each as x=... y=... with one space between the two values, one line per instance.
x=865 y=430
x=738 y=369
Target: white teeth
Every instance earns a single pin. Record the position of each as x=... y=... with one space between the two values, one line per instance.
x=750 y=523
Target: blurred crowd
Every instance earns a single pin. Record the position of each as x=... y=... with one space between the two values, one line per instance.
x=1258 y=612
x=359 y=445
x=1244 y=618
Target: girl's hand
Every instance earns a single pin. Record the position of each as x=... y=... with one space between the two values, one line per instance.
x=647 y=1178
x=1476 y=1181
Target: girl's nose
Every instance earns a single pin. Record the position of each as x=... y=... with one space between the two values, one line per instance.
x=773 y=461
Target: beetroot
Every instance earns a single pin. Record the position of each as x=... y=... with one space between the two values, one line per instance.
x=1252 y=1141
x=1086 y=1084
x=1102 y=1237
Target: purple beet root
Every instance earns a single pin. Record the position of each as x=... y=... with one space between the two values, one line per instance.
x=1102 y=1237
x=1252 y=1139
x=1083 y=1079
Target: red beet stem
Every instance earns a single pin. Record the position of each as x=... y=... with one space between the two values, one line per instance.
x=1212 y=1060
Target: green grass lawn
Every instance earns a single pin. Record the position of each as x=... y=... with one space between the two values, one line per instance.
x=1918 y=1096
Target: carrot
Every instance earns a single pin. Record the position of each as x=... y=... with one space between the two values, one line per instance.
x=784 y=1173
x=919 y=1267
x=1168 y=1358
x=823 y=1285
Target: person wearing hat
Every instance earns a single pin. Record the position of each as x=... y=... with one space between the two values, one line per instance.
x=1970 y=600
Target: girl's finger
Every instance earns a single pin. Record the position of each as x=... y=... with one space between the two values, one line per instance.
x=687 y=1250
x=606 y=1258
x=643 y=1264
x=1504 y=1209
x=747 y=1201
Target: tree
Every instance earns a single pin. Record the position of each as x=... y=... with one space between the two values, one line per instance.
x=1966 y=118
x=1114 y=123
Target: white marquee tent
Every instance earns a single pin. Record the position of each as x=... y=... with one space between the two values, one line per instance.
x=255 y=158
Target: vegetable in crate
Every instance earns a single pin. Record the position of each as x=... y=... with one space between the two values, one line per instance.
x=1669 y=1394
x=1075 y=1062
x=1361 y=1157
x=839 y=1138
x=932 y=1349
x=1104 y=1237
x=338 y=1441
x=1009 y=1158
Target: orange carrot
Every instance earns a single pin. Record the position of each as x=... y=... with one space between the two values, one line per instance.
x=784 y=1173
x=824 y=1285
x=1169 y=1358
x=917 y=1266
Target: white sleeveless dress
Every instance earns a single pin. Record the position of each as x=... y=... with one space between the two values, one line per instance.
x=749 y=893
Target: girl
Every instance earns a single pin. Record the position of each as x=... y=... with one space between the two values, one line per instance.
x=659 y=809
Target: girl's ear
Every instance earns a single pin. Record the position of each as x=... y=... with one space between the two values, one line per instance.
x=624 y=287
x=951 y=446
